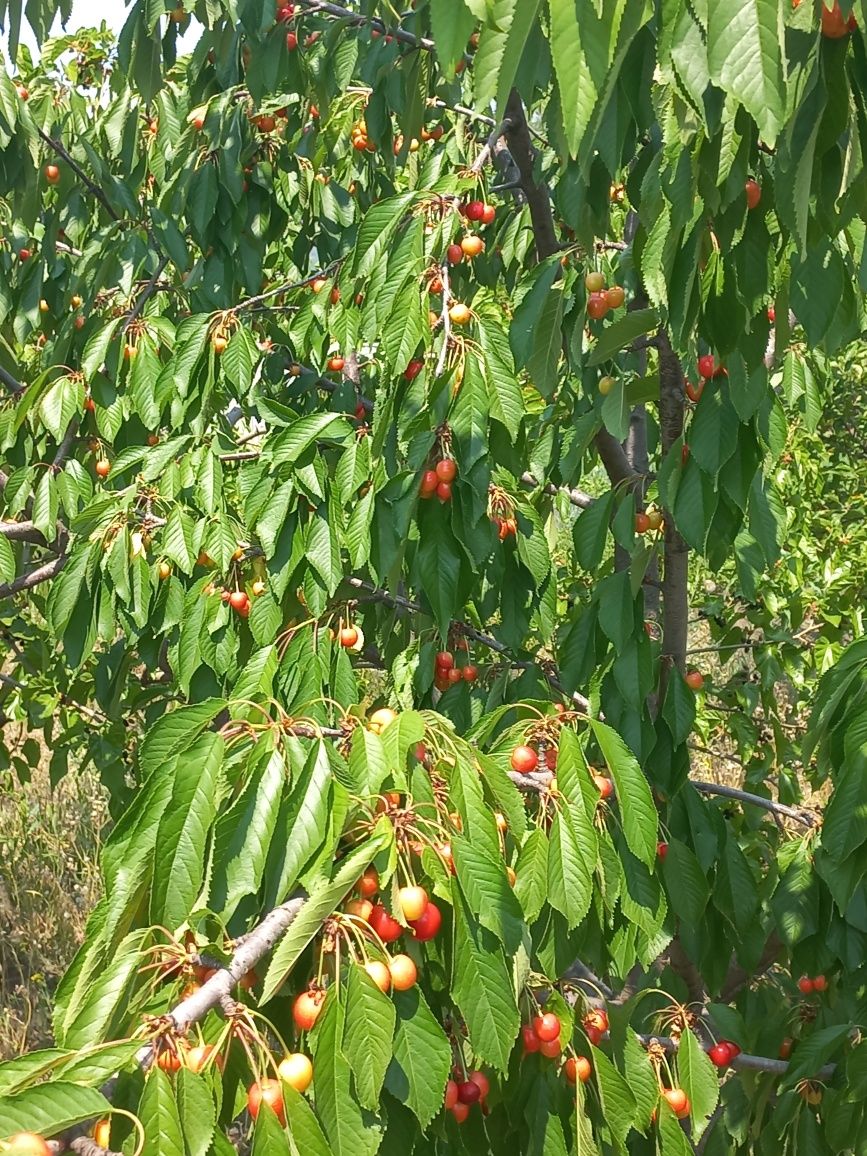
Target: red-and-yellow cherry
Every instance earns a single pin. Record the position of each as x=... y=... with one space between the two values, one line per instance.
x=385 y=925
x=413 y=902
x=404 y=972
x=26 y=1144
x=547 y=1026
x=368 y=884
x=678 y=1101
x=379 y=973
x=427 y=926
x=577 y=1068
x=524 y=759
x=694 y=679
x=306 y=1009
x=269 y=1092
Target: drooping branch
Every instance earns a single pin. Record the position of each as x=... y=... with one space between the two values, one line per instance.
x=11 y=383
x=547 y=670
x=340 y=13
x=744 y=1061
x=90 y=185
x=807 y=818
x=41 y=574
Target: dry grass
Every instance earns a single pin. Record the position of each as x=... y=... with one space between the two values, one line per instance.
x=49 y=882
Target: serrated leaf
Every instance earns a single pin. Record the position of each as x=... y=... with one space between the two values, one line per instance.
x=699 y=1079
x=50 y=1108
x=686 y=885
x=570 y=880
x=320 y=903
x=745 y=58
x=195 y=1111
x=179 y=858
x=351 y=1130
x=422 y=1057
x=305 y=1131
x=488 y=893
x=159 y=1116
x=367 y=1035
x=634 y=800
x=482 y=989
x=531 y=872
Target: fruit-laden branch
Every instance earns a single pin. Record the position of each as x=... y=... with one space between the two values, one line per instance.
x=401 y=34
x=217 y=991
x=147 y=292
x=675 y=575
x=90 y=185
x=576 y=497
x=41 y=574
x=547 y=670
x=743 y=1061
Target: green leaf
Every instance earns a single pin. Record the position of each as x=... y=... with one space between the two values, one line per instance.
x=176 y=732
x=159 y=1116
x=50 y=1108
x=482 y=989
x=845 y=823
x=321 y=902
x=422 y=1057
x=531 y=871
x=813 y=1052
x=269 y=1135
x=713 y=432
x=678 y=710
x=618 y=1103
x=367 y=1035
x=96 y=349
x=439 y=567
x=698 y=1077
x=376 y=231
x=634 y=799
x=488 y=893
x=623 y=332
x=570 y=874
x=685 y=883
x=179 y=858
x=305 y=1131
x=499 y=53
x=590 y=532
x=351 y=1131
x=451 y=23
x=744 y=55
x=195 y=1111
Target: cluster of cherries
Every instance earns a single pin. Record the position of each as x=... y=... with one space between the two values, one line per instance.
x=722 y=1053
x=601 y=299
x=525 y=759
x=469 y=246
x=646 y=523
x=466 y=1089
x=446 y=674
x=708 y=367
x=808 y=984
x=439 y=480
x=542 y=1035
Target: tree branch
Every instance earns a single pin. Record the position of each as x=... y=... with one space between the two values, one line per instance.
x=41 y=574
x=807 y=818
x=407 y=604
x=744 y=1061
x=147 y=292
x=354 y=18
x=11 y=383
x=90 y=185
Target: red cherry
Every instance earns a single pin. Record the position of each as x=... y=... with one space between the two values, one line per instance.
x=772 y=314
x=269 y=1092
x=429 y=924
x=531 y=1040
x=444 y=492
x=577 y=1068
x=306 y=1009
x=482 y=1083
x=447 y=470
x=547 y=1027
x=684 y=454
x=488 y=215
x=597 y=306
x=239 y=600
x=753 y=191
x=805 y=985
x=524 y=760
x=386 y=926
x=550 y=1048
x=445 y=660
x=719 y=1054
x=291 y=41
x=469 y=1092
x=706 y=365
x=24 y=254
x=678 y=1102
x=454 y=254
x=429 y=483
x=451 y=1097
x=348 y=637
x=470 y=673
x=820 y=983
x=455 y=675
x=413 y=370
x=474 y=210
x=694 y=392
x=694 y=679
x=661 y=850
x=460 y=1112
